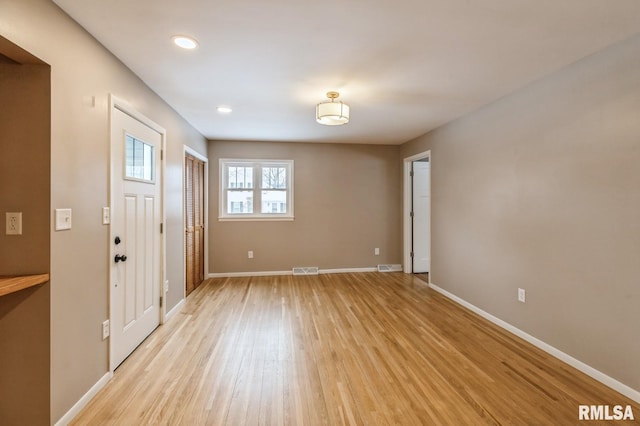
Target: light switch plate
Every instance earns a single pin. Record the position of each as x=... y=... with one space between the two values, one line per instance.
x=106 y=216
x=63 y=219
x=106 y=329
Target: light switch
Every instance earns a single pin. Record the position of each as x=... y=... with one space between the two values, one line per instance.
x=106 y=216
x=63 y=219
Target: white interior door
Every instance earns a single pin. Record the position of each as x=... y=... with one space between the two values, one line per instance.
x=421 y=216
x=135 y=233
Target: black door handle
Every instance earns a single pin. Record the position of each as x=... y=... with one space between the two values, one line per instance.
x=120 y=258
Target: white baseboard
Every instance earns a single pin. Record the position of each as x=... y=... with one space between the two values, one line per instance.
x=69 y=416
x=577 y=364
x=346 y=270
x=272 y=273
x=82 y=402
x=248 y=274
x=173 y=310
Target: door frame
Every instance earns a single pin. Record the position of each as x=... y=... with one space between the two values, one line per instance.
x=190 y=151
x=125 y=107
x=406 y=211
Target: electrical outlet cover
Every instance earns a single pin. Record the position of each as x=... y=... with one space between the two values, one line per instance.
x=14 y=223
x=521 y=295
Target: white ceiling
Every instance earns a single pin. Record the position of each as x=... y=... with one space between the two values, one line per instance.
x=404 y=66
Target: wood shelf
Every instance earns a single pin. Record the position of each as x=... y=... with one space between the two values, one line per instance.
x=12 y=284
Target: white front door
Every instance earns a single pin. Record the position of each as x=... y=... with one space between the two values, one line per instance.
x=421 y=216
x=135 y=233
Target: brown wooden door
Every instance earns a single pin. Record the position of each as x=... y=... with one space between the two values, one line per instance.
x=194 y=222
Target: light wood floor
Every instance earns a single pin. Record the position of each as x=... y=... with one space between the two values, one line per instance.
x=358 y=349
x=424 y=276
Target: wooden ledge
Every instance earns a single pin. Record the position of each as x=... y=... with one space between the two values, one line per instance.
x=12 y=284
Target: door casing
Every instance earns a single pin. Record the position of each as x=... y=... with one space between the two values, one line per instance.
x=189 y=151
x=407 y=264
x=122 y=105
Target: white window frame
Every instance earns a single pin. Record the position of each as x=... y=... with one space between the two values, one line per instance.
x=257 y=165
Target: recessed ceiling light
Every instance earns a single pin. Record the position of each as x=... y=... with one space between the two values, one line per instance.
x=223 y=109
x=185 y=42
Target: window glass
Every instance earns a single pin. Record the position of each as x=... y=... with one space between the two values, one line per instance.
x=240 y=202
x=240 y=177
x=274 y=202
x=139 y=160
x=256 y=189
x=274 y=177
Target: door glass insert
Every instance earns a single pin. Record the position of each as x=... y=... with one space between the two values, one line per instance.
x=139 y=160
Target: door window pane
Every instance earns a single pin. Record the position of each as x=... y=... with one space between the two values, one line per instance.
x=139 y=160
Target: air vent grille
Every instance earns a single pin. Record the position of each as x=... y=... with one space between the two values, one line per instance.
x=389 y=268
x=305 y=270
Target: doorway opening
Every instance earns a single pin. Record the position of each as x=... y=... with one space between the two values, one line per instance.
x=417 y=215
x=27 y=317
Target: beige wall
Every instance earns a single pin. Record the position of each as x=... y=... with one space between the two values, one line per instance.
x=541 y=191
x=82 y=70
x=538 y=190
x=24 y=169
x=347 y=202
x=24 y=166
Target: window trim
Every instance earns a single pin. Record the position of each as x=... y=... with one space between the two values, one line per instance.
x=257 y=165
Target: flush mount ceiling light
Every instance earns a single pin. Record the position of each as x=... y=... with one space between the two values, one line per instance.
x=185 y=42
x=224 y=109
x=332 y=113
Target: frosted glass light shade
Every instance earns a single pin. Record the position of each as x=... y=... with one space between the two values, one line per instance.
x=332 y=113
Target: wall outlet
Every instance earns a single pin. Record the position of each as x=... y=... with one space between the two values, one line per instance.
x=250 y=254
x=521 y=295
x=376 y=251
x=14 y=223
x=106 y=329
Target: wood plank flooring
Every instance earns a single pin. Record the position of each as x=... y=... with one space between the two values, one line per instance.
x=424 y=276
x=356 y=349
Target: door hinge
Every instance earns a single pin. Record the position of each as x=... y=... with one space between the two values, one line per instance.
x=411 y=254
x=161 y=228
x=161 y=154
x=161 y=300
x=411 y=214
x=411 y=173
